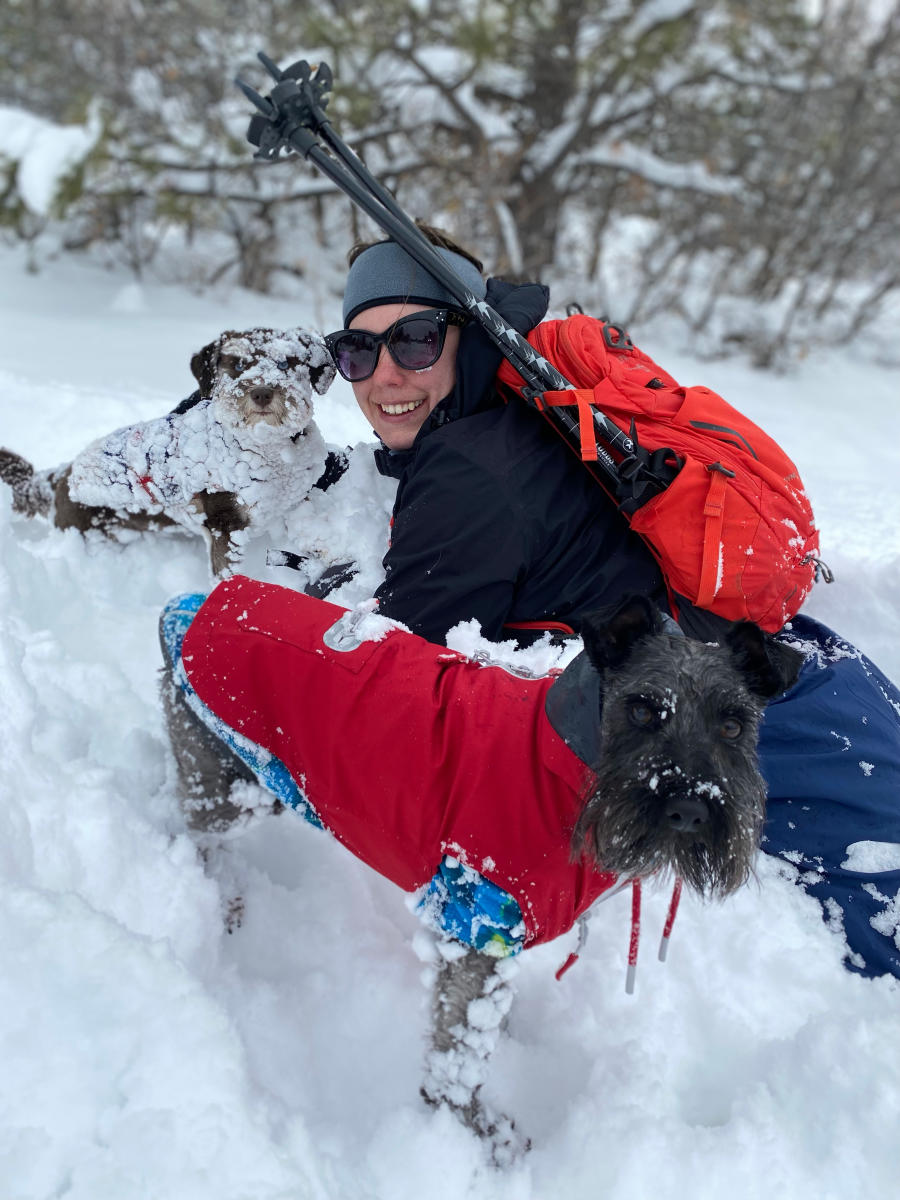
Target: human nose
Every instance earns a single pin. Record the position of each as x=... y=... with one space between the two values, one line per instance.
x=386 y=370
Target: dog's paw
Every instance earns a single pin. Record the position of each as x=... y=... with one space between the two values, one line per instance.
x=506 y=1145
x=214 y=816
x=216 y=864
x=233 y=912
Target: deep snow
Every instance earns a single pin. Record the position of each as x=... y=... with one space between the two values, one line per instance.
x=148 y=1053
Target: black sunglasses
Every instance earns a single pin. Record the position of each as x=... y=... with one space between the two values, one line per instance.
x=414 y=343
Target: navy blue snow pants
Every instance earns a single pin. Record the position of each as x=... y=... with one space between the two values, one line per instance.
x=830 y=754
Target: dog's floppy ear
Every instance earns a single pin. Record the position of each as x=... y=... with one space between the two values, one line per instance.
x=321 y=375
x=610 y=633
x=769 y=666
x=316 y=358
x=205 y=365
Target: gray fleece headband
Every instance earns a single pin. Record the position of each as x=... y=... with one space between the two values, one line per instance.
x=385 y=274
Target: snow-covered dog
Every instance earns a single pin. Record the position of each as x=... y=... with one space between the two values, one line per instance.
x=240 y=452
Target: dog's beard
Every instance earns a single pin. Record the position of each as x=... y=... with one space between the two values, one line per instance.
x=274 y=414
x=624 y=829
x=283 y=410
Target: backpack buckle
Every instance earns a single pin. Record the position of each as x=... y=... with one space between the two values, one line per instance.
x=616 y=337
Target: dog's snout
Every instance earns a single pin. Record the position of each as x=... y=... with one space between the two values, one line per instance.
x=261 y=395
x=687 y=814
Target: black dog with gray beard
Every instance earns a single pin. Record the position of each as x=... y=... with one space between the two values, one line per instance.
x=677 y=776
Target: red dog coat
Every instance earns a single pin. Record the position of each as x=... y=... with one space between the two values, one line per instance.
x=408 y=752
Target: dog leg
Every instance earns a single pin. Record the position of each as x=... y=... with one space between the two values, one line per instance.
x=211 y=784
x=224 y=516
x=207 y=770
x=472 y=996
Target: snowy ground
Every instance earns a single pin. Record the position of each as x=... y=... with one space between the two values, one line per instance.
x=149 y=1054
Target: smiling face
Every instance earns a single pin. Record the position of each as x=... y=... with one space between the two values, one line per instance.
x=393 y=400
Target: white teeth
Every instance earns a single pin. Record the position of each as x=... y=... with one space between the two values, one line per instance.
x=394 y=410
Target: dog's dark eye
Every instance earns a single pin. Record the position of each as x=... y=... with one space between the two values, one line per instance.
x=642 y=714
x=283 y=365
x=731 y=728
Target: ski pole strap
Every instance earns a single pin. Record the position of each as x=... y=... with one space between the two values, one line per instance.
x=586 y=427
x=591 y=422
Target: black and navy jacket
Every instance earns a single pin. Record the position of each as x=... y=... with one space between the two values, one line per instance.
x=495 y=519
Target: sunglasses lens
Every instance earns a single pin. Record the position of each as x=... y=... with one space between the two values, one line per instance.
x=416 y=343
x=355 y=354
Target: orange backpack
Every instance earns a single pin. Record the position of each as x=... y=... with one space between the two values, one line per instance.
x=733 y=532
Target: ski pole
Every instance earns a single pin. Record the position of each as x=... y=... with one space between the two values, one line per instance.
x=290 y=118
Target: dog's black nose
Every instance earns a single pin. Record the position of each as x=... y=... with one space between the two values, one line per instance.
x=687 y=814
x=261 y=395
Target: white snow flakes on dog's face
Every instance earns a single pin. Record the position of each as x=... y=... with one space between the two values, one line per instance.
x=267 y=377
x=240 y=438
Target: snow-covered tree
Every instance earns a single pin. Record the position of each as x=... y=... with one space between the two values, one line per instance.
x=753 y=140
